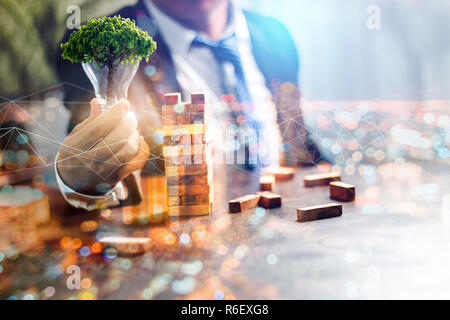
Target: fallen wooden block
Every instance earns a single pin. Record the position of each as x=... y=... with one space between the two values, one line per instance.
x=319 y=212
x=281 y=173
x=321 y=179
x=269 y=200
x=128 y=245
x=342 y=191
x=243 y=203
x=266 y=183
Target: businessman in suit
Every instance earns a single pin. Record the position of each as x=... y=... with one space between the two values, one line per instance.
x=246 y=63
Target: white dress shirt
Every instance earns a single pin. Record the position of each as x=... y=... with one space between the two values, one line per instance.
x=197 y=70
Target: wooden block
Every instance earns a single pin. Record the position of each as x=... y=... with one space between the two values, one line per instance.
x=195 y=108
x=323 y=211
x=198 y=98
x=243 y=203
x=321 y=179
x=175 y=140
x=128 y=245
x=266 y=182
x=178 y=108
x=172 y=98
x=342 y=191
x=187 y=118
x=195 y=210
x=184 y=129
x=183 y=109
x=198 y=138
x=186 y=159
x=183 y=119
x=190 y=179
x=188 y=189
x=186 y=170
x=196 y=117
x=189 y=200
x=169 y=119
x=168 y=110
x=179 y=150
x=269 y=200
x=281 y=173
x=186 y=154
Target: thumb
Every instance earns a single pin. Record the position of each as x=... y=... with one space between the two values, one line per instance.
x=95 y=109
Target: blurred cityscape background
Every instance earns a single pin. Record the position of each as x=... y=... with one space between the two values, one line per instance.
x=363 y=89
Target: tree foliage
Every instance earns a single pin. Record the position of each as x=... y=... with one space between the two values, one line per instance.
x=108 y=41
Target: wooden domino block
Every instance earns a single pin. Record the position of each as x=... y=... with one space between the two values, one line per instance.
x=175 y=140
x=243 y=203
x=342 y=191
x=195 y=108
x=322 y=179
x=184 y=149
x=168 y=118
x=194 y=210
x=319 y=212
x=186 y=159
x=198 y=98
x=189 y=180
x=269 y=200
x=180 y=130
x=281 y=173
x=266 y=182
x=183 y=109
x=189 y=200
x=172 y=98
x=198 y=138
x=174 y=110
x=188 y=118
x=186 y=170
x=197 y=117
x=188 y=189
x=128 y=245
x=187 y=139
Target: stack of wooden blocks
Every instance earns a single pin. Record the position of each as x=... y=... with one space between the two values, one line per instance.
x=22 y=211
x=187 y=156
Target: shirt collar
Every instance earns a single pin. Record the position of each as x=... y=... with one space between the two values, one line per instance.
x=179 y=38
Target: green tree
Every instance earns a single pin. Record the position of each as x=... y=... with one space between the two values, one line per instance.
x=108 y=41
x=30 y=31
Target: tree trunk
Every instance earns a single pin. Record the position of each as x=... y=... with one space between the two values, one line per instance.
x=110 y=94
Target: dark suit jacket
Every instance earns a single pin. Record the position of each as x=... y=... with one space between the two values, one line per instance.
x=274 y=52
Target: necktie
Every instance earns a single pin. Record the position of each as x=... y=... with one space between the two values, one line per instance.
x=226 y=50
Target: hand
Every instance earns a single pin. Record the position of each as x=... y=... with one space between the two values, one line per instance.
x=102 y=150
